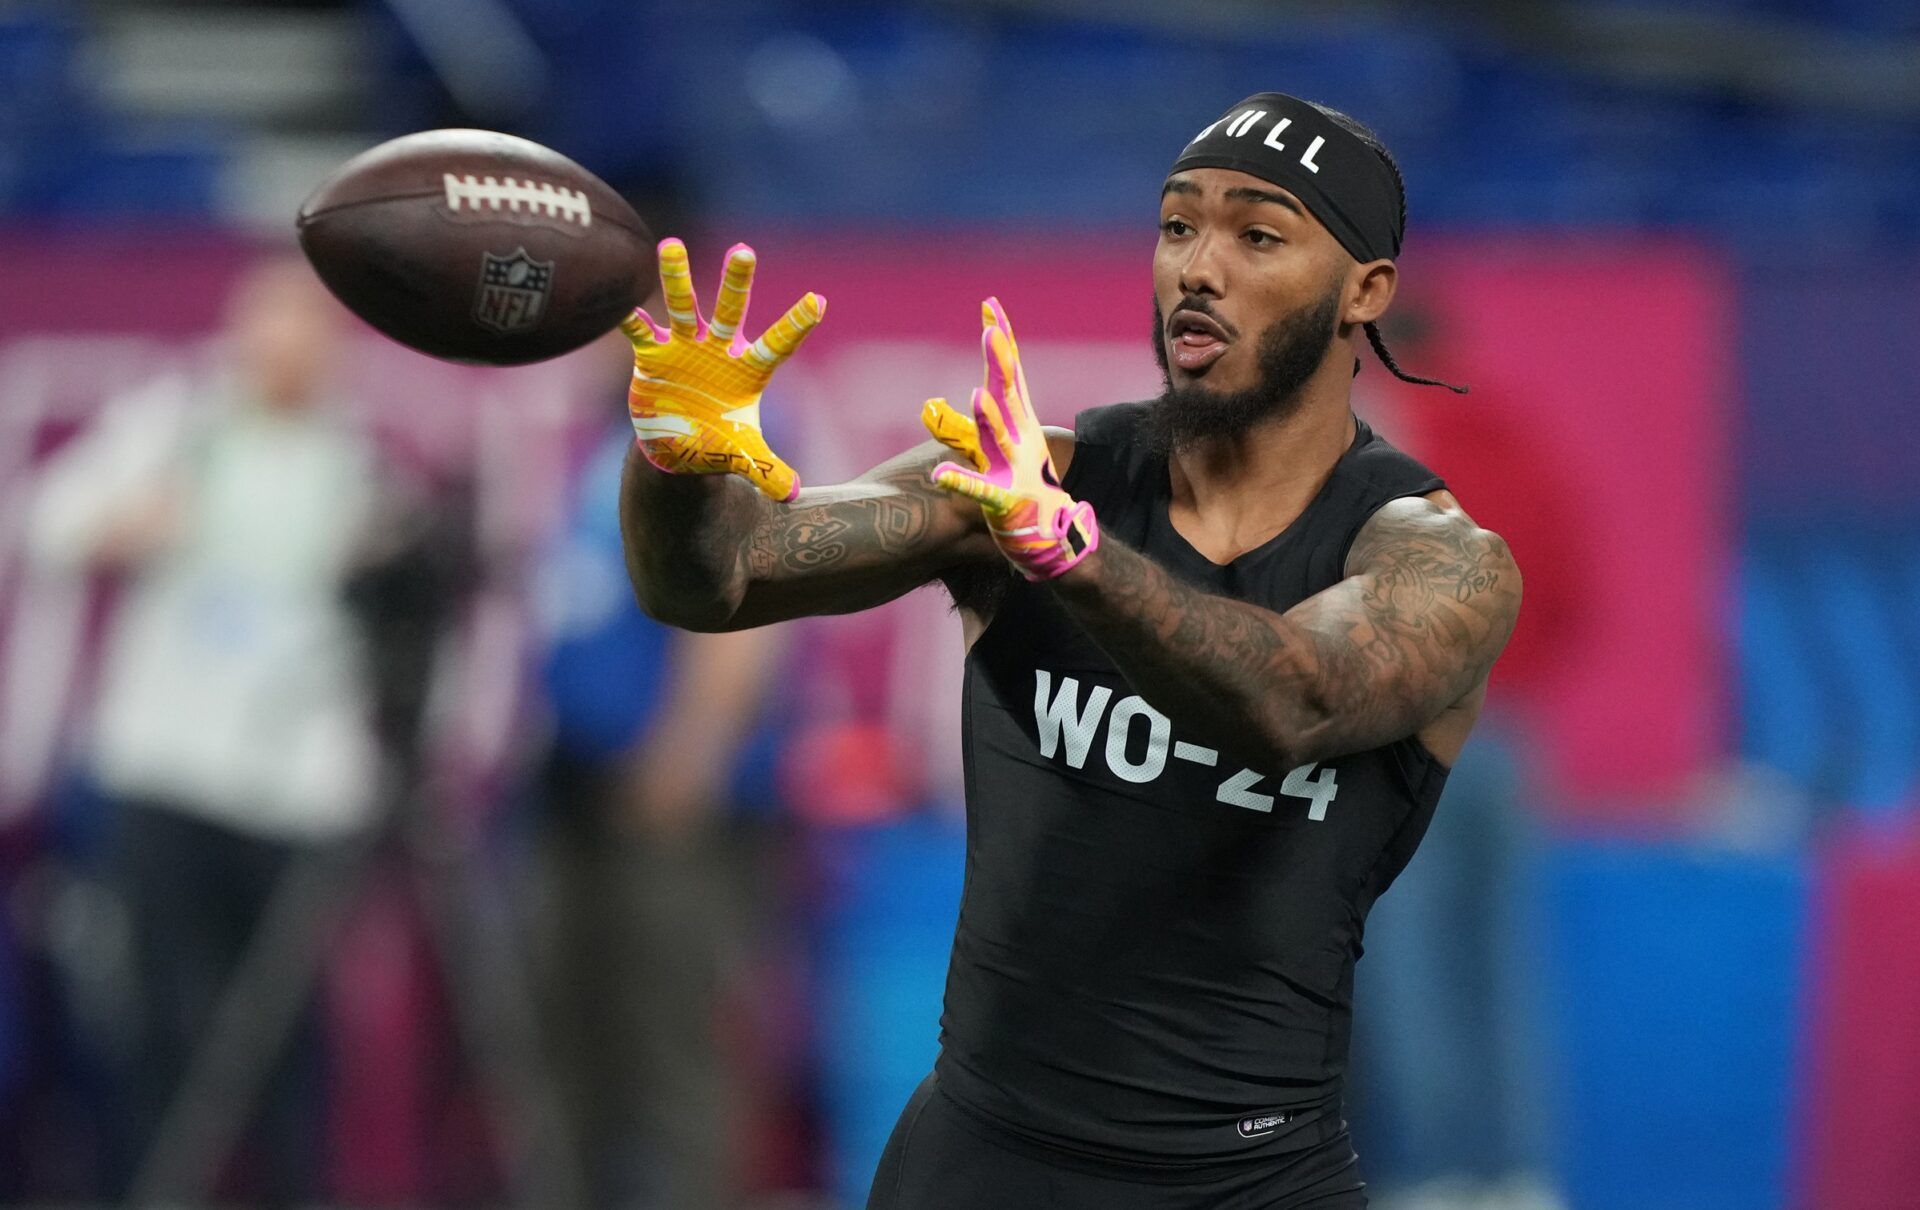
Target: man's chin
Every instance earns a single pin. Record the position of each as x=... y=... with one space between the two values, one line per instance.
x=1209 y=379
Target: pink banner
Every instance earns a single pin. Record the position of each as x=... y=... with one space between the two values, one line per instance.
x=1862 y=1112
x=1595 y=438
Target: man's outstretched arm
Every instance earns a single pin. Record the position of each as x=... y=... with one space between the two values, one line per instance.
x=718 y=533
x=708 y=552
x=1429 y=600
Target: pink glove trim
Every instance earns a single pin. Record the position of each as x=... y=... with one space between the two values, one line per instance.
x=1043 y=550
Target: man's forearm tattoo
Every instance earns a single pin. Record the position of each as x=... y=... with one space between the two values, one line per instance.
x=789 y=543
x=1218 y=664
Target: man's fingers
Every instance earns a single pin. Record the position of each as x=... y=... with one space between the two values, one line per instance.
x=1005 y=381
x=944 y=424
x=993 y=315
x=676 y=281
x=736 y=283
x=641 y=330
x=969 y=483
x=993 y=424
x=957 y=432
x=779 y=341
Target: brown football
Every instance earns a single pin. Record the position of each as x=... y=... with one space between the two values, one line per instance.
x=476 y=246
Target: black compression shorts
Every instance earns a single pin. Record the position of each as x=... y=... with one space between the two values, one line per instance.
x=941 y=1157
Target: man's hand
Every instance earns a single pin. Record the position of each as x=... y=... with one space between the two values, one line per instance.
x=1041 y=530
x=695 y=398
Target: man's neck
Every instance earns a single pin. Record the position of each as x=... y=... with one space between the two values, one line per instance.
x=1230 y=497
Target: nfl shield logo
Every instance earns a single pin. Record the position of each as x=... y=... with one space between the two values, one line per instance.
x=513 y=291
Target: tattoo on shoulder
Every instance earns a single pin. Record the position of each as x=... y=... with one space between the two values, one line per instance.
x=1428 y=601
x=1418 y=560
x=1440 y=547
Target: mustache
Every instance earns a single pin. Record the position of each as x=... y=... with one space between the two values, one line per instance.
x=1198 y=303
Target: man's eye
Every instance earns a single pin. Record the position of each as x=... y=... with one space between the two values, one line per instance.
x=1174 y=226
x=1261 y=239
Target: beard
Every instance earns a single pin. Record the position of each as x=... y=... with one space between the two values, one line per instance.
x=1290 y=350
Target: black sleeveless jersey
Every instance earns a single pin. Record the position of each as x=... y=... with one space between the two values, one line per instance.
x=1154 y=959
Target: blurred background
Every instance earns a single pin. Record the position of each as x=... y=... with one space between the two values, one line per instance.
x=361 y=845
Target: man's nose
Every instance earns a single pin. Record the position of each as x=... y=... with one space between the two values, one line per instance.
x=1202 y=273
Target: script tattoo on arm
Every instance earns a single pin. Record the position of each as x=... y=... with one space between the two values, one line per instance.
x=890 y=517
x=709 y=553
x=1429 y=600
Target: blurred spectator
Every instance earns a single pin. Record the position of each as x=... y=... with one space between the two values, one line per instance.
x=644 y=890
x=231 y=732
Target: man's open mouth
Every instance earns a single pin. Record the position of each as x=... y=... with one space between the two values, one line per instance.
x=1195 y=340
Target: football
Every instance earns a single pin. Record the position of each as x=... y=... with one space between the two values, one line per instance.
x=476 y=246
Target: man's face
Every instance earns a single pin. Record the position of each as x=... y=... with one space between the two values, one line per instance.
x=1288 y=353
x=1236 y=256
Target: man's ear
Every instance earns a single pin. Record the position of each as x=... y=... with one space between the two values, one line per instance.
x=1373 y=285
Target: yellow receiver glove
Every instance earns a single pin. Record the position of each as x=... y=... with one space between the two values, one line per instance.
x=695 y=398
x=1040 y=528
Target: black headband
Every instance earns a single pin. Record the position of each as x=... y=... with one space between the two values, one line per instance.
x=1293 y=144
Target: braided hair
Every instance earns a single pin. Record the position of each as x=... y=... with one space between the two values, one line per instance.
x=1365 y=134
